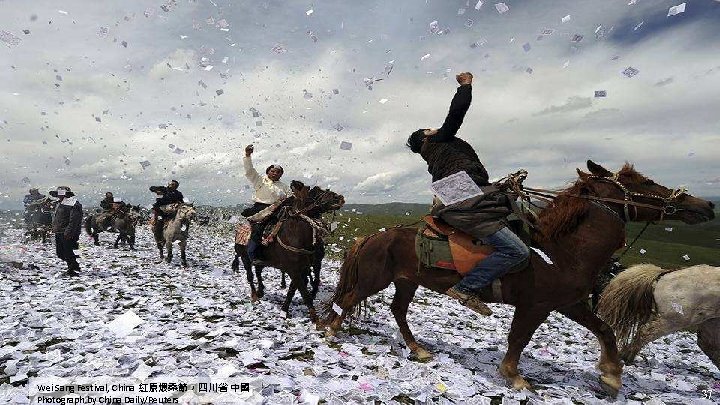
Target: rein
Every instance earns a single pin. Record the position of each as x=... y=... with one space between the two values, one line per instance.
x=319 y=227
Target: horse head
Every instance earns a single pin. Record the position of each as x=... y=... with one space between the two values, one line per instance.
x=186 y=212
x=642 y=198
x=326 y=200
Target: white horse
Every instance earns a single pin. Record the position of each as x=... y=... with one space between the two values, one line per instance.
x=645 y=302
x=176 y=228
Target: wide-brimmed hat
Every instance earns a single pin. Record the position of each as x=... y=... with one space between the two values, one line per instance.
x=62 y=191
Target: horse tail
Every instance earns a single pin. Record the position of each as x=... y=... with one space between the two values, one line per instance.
x=628 y=302
x=88 y=224
x=346 y=284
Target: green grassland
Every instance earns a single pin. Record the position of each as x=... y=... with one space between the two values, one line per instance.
x=665 y=248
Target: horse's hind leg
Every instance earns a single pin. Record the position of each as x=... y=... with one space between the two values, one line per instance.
x=132 y=242
x=169 y=248
x=708 y=338
x=96 y=239
x=609 y=364
x=282 y=280
x=525 y=321
x=404 y=293
x=653 y=329
x=117 y=240
x=235 y=265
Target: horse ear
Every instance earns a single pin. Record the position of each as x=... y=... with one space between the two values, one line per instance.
x=598 y=170
x=582 y=174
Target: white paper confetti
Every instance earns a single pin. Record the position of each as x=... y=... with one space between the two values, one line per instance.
x=565 y=19
x=543 y=255
x=686 y=257
x=345 y=145
x=455 y=188
x=427 y=55
x=124 y=324
x=9 y=38
x=630 y=71
x=502 y=8
x=337 y=309
x=643 y=251
x=600 y=93
x=478 y=5
x=383 y=101
x=309 y=12
x=675 y=10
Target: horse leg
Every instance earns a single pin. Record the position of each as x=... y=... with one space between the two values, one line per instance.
x=290 y=294
x=117 y=240
x=307 y=298
x=708 y=338
x=525 y=321
x=132 y=241
x=653 y=329
x=609 y=364
x=251 y=280
x=183 y=245
x=316 y=280
x=235 y=265
x=261 y=286
x=282 y=281
x=96 y=238
x=404 y=293
x=169 y=248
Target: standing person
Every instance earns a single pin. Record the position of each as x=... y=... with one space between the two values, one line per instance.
x=267 y=190
x=104 y=219
x=480 y=217
x=66 y=226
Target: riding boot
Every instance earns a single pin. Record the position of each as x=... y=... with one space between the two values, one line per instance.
x=469 y=300
x=253 y=251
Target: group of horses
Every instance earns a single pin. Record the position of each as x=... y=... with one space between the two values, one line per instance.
x=123 y=222
x=578 y=232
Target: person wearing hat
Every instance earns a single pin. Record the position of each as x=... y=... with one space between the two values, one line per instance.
x=104 y=219
x=66 y=226
x=267 y=190
x=164 y=195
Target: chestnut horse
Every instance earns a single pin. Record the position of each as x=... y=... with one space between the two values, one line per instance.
x=297 y=245
x=579 y=231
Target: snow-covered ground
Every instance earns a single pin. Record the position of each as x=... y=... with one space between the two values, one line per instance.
x=200 y=321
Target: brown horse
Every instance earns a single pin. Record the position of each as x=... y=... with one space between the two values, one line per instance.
x=579 y=232
x=297 y=247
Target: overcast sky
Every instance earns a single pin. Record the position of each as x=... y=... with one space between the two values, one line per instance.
x=92 y=88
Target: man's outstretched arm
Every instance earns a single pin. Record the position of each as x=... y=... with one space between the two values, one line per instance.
x=458 y=108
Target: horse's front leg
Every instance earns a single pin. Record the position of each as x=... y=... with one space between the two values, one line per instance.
x=290 y=295
x=183 y=259
x=117 y=240
x=261 y=285
x=609 y=364
x=282 y=280
x=308 y=300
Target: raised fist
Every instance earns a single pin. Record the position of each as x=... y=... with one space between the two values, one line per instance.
x=249 y=150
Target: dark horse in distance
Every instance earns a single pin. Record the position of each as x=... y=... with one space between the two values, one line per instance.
x=579 y=231
x=298 y=243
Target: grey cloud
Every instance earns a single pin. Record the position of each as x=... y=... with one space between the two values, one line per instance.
x=573 y=103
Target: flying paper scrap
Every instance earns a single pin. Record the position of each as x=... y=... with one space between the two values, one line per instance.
x=455 y=188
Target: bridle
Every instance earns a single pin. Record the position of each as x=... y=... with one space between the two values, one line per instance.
x=667 y=205
x=319 y=227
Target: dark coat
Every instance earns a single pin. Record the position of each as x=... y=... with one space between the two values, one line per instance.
x=169 y=196
x=67 y=220
x=30 y=198
x=106 y=204
x=479 y=216
x=445 y=154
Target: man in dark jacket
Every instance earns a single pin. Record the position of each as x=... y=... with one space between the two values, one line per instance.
x=104 y=219
x=481 y=216
x=164 y=196
x=66 y=226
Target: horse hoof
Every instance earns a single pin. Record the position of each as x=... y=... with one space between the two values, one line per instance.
x=254 y=297
x=520 y=384
x=422 y=355
x=611 y=385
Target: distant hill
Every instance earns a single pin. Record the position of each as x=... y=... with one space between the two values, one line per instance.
x=392 y=209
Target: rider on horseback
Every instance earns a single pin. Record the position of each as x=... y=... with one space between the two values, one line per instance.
x=446 y=155
x=104 y=219
x=164 y=196
x=30 y=202
x=268 y=190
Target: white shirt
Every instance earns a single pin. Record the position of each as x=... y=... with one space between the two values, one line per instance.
x=266 y=190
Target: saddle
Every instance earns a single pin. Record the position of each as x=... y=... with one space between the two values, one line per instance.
x=440 y=245
x=267 y=221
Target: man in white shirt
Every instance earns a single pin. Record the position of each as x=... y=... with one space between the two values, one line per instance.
x=268 y=189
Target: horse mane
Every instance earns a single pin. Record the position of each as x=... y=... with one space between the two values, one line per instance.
x=565 y=213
